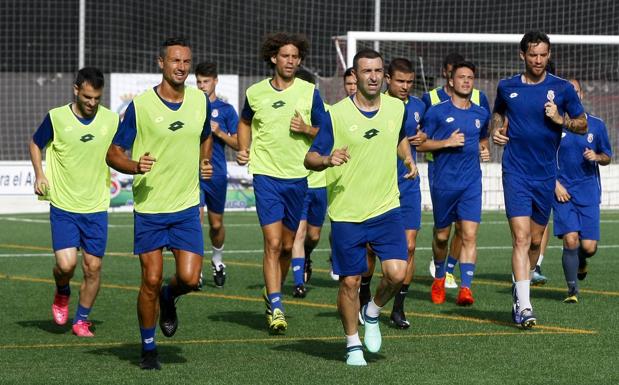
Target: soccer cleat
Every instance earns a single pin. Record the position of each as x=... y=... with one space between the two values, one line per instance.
x=278 y=323
x=150 y=360
x=200 y=283
x=465 y=297
x=527 y=319
x=398 y=318
x=168 y=320
x=515 y=306
x=268 y=313
x=219 y=274
x=364 y=298
x=572 y=296
x=82 y=329
x=437 y=292
x=372 y=338
x=432 y=268
x=582 y=269
x=450 y=281
x=60 y=309
x=538 y=279
x=307 y=270
x=300 y=291
x=354 y=356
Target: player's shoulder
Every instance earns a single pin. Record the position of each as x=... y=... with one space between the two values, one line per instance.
x=439 y=109
x=595 y=121
x=414 y=101
x=264 y=83
x=106 y=111
x=510 y=81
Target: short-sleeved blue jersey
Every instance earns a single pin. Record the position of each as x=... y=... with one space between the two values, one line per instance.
x=533 y=137
x=578 y=175
x=224 y=114
x=455 y=168
x=414 y=111
x=442 y=95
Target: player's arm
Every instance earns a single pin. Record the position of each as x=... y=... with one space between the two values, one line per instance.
x=230 y=138
x=601 y=158
x=321 y=154
x=561 y=193
x=206 y=146
x=41 y=138
x=244 y=134
x=577 y=125
x=498 y=128
x=456 y=139
x=298 y=125
x=409 y=126
x=484 y=150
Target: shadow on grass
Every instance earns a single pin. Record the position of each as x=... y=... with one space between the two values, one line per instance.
x=326 y=350
x=47 y=325
x=497 y=316
x=168 y=354
x=251 y=319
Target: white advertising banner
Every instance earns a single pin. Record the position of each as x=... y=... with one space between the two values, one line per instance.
x=16 y=178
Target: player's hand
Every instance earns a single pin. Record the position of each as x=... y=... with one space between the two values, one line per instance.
x=215 y=130
x=561 y=193
x=41 y=186
x=456 y=139
x=338 y=157
x=499 y=137
x=412 y=169
x=590 y=155
x=242 y=157
x=484 y=153
x=551 y=111
x=145 y=163
x=418 y=138
x=206 y=169
x=297 y=125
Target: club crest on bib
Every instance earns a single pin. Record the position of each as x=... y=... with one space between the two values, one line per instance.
x=550 y=95
x=590 y=138
x=477 y=123
x=215 y=113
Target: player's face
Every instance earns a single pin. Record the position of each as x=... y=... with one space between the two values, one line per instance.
x=176 y=65
x=350 y=85
x=206 y=84
x=576 y=85
x=462 y=81
x=87 y=99
x=399 y=84
x=287 y=61
x=536 y=59
x=370 y=74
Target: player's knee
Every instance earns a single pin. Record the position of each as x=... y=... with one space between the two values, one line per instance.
x=92 y=271
x=350 y=284
x=66 y=268
x=216 y=227
x=571 y=241
x=152 y=282
x=589 y=248
x=312 y=239
x=522 y=240
x=273 y=246
x=396 y=276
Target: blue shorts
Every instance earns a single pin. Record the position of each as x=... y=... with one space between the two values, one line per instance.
x=180 y=230
x=384 y=233
x=279 y=200
x=449 y=206
x=213 y=193
x=525 y=197
x=410 y=208
x=570 y=218
x=85 y=231
x=315 y=206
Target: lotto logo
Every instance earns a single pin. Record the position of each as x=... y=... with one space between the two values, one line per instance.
x=369 y=134
x=87 y=138
x=176 y=126
x=278 y=104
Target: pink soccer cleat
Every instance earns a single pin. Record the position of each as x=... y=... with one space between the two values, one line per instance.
x=60 y=309
x=82 y=329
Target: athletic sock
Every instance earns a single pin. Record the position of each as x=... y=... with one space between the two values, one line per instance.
x=451 y=264
x=217 y=257
x=308 y=250
x=523 y=291
x=353 y=340
x=275 y=299
x=364 y=290
x=81 y=314
x=148 y=339
x=570 y=268
x=298 y=270
x=63 y=290
x=440 y=269
x=398 y=300
x=467 y=270
x=540 y=259
x=166 y=293
x=372 y=311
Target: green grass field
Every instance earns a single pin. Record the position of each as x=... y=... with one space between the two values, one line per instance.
x=222 y=337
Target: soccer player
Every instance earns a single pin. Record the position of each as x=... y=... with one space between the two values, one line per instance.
x=224 y=122
x=350 y=83
x=280 y=117
x=577 y=205
x=535 y=105
x=167 y=129
x=364 y=136
x=77 y=184
x=400 y=78
x=432 y=98
x=457 y=132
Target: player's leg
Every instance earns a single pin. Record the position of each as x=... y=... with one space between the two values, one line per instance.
x=398 y=316
x=468 y=261
x=365 y=291
x=569 y=260
x=312 y=238
x=298 y=260
x=348 y=308
x=538 y=279
x=148 y=305
x=440 y=240
x=315 y=219
x=588 y=248
x=455 y=247
x=589 y=236
x=521 y=241
x=217 y=234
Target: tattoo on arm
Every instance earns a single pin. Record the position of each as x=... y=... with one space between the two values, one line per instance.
x=496 y=121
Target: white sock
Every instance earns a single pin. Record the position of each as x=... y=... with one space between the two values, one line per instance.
x=523 y=290
x=540 y=259
x=217 y=256
x=373 y=310
x=353 y=340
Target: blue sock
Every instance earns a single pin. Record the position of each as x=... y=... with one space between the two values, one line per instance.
x=298 y=270
x=570 y=268
x=148 y=339
x=63 y=290
x=81 y=314
x=451 y=264
x=276 y=301
x=467 y=270
x=440 y=269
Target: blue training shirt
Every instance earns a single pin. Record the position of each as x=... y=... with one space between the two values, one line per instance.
x=224 y=114
x=579 y=176
x=456 y=168
x=442 y=95
x=533 y=137
x=45 y=133
x=414 y=110
x=125 y=136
